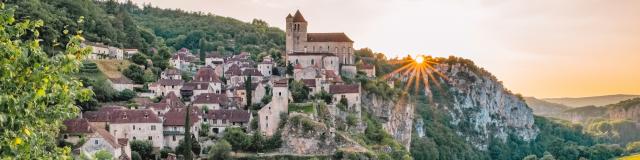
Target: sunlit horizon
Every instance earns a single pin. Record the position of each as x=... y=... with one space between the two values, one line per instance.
x=542 y=48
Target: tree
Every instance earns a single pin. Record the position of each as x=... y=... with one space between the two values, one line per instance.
x=139 y=59
x=135 y=156
x=37 y=91
x=103 y=155
x=144 y=148
x=135 y=73
x=220 y=151
x=257 y=142
x=126 y=95
x=249 y=92
x=164 y=152
x=299 y=92
x=237 y=138
x=633 y=147
x=187 y=135
x=182 y=147
x=289 y=69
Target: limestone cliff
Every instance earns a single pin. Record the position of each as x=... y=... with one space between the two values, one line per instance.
x=479 y=105
x=396 y=114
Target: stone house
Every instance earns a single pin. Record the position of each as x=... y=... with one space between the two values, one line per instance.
x=128 y=52
x=138 y=124
x=162 y=107
x=170 y=73
x=116 y=53
x=174 y=129
x=368 y=69
x=213 y=60
x=210 y=101
x=164 y=86
x=234 y=75
x=75 y=130
x=219 y=120
x=270 y=114
x=182 y=59
x=120 y=84
x=99 y=140
x=265 y=67
x=351 y=92
x=313 y=84
x=208 y=75
x=98 y=51
x=102 y=117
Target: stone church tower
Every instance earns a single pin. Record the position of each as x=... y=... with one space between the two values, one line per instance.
x=296 y=30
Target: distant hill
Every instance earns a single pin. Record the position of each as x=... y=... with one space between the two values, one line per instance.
x=544 y=108
x=595 y=100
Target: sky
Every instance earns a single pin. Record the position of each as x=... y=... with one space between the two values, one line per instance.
x=541 y=48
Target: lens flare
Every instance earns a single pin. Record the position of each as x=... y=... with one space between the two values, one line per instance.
x=415 y=72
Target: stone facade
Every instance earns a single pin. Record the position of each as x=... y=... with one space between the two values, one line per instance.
x=270 y=114
x=298 y=40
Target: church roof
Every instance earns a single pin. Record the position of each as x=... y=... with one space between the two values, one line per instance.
x=328 y=37
x=298 y=17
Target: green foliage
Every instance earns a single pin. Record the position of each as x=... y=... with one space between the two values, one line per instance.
x=135 y=73
x=164 y=152
x=135 y=156
x=633 y=147
x=325 y=96
x=614 y=131
x=207 y=32
x=144 y=148
x=126 y=95
x=220 y=151
x=249 y=91
x=237 y=138
x=268 y=95
x=302 y=107
x=352 y=120
x=289 y=70
x=184 y=148
x=139 y=59
x=103 y=155
x=299 y=92
x=37 y=91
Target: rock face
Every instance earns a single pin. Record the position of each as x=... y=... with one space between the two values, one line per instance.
x=301 y=135
x=397 y=115
x=481 y=107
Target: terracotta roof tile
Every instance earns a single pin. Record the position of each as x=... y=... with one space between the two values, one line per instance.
x=328 y=37
x=251 y=72
x=234 y=70
x=176 y=116
x=297 y=17
x=134 y=116
x=309 y=82
x=210 y=98
x=281 y=83
x=77 y=126
x=229 y=115
x=170 y=82
x=206 y=74
x=107 y=136
x=367 y=66
x=340 y=89
x=170 y=72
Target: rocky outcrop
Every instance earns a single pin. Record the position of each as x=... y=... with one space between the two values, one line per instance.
x=304 y=136
x=396 y=114
x=481 y=107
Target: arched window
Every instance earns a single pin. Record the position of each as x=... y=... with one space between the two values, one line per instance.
x=312 y=61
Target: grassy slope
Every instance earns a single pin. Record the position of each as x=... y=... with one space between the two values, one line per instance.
x=112 y=68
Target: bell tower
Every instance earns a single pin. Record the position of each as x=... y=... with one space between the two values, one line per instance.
x=296 y=30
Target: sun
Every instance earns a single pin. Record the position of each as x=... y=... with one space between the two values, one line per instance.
x=419 y=59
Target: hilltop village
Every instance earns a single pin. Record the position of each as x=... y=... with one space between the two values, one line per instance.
x=221 y=94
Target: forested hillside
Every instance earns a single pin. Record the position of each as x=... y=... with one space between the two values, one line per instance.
x=129 y=26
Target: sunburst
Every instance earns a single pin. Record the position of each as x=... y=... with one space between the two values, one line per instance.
x=415 y=72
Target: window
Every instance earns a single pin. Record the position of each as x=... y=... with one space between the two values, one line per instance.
x=150 y=138
x=95 y=141
x=174 y=138
x=153 y=127
x=134 y=137
x=174 y=128
x=279 y=93
x=296 y=61
x=266 y=117
x=134 y=127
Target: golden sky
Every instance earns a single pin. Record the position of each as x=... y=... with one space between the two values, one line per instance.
x=542 y=48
